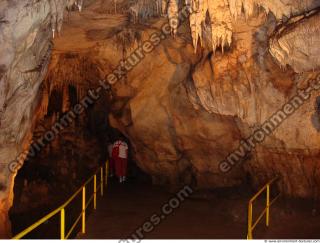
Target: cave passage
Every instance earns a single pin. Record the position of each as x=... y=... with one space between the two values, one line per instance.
x=137 y=208
x=213 y=104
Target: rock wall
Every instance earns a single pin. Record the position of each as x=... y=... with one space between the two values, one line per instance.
x=55 y=172
x=172 y=141
x=24 y=55
x=26 y=30
x=188 y=113
x=247 y=85
x=290 y=46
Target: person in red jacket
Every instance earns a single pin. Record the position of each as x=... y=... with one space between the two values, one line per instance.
x=120 y=156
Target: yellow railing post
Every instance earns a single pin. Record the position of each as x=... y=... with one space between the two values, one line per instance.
x=95 y=191
x=62 y=209
x=268 y=205
x=249 y=236
x=83 y=210
x=266 y=211
x=62 y=224
x=107 y=171
x=101 y=181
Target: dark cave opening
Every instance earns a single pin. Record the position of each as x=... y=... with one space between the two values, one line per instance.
x=50 y=175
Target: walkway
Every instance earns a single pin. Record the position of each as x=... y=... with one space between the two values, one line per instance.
x=215 y=215
x=125 y=208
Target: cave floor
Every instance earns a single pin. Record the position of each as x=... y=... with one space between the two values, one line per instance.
x=125 y=208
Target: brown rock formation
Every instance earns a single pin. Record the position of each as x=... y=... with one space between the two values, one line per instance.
x=184 y=112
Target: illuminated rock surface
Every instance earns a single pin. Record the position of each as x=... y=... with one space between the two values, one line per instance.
x=184 y=108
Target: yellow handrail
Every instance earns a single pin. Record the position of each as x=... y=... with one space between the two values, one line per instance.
x=61 y=209
x=266 y=211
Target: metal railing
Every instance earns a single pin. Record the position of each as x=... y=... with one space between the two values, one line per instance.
x=266 y=211
x=85 y=204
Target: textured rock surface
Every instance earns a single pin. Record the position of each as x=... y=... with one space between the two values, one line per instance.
x=24 y=56
x=291 y=47
x=241 y=89
x=54 y=173
x=184 y=112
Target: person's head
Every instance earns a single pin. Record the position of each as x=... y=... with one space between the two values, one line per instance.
x=122 y=138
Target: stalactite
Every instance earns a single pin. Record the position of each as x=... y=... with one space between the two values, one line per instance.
x=78 y=91
x=278 y=8
x=81 y=92
x=79 y=4
x=74 y=70
x=220 y=22
x=65 y=98
x=236 y=7
x=57 y=8
x=173 y=11
x=221 y=25
x=220 y=13
x=70 y=3
x=53 y=9
x=43 y=110
x=134 y=13
x=144 y=9
x=164 y=6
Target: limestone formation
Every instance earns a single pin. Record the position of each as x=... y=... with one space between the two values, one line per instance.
x=186 y=103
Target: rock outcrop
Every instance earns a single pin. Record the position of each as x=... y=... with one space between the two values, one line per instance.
x=24 y=56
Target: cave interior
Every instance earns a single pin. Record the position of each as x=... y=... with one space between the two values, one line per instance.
x=214 y=98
